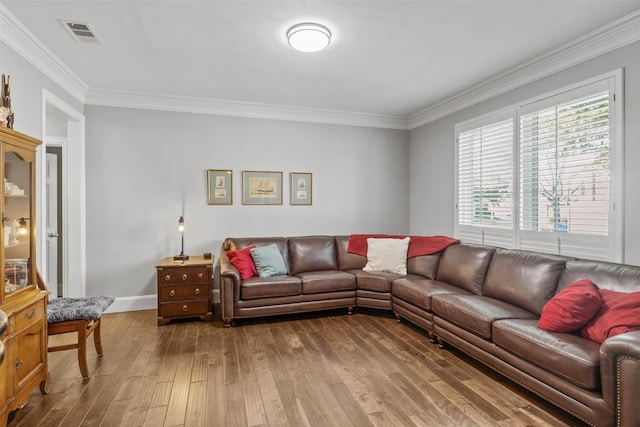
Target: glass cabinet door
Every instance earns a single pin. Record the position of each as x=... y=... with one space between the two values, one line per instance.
x=17 y=226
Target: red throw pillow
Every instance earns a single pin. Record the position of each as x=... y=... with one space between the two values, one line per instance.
x=241 y=258
x=571 y=308
x=620 y=313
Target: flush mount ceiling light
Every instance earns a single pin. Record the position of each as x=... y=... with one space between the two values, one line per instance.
x=308 y=37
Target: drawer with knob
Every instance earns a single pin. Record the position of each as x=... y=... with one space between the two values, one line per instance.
x=184 y=275
x=168 y=293
x=29 y=315
x=184 y=308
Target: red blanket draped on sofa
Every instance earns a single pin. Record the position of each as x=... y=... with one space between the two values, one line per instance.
x=418 y=245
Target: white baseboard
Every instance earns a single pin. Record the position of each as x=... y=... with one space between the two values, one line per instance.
x=144 y=302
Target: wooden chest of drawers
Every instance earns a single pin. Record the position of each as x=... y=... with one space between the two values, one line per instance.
x=184 y=289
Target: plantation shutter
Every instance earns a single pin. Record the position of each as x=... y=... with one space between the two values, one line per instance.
x=564 y=179
x=485 y=183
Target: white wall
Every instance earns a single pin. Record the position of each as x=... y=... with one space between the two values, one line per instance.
x=146 y=168
x=27 y=83
x=432 y=148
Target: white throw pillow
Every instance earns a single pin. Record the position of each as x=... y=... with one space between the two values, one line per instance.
x=388 y=255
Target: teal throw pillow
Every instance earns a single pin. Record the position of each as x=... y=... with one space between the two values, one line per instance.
x=268 y=261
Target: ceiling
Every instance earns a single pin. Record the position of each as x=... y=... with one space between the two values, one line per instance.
x=391 y=58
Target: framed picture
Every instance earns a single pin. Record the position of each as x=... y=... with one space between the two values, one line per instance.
x=301 y=186
x=261 y=188
x=220 y=187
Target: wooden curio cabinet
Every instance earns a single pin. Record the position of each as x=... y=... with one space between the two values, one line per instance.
x=25 y=340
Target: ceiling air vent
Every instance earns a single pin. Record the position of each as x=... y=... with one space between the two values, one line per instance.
x=81 y=32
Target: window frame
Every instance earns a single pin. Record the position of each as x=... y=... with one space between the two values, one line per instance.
x=575 y=244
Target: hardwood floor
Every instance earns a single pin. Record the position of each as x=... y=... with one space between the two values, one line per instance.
x=325 y=369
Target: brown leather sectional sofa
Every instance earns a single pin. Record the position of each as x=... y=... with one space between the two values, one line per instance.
x=483 y=300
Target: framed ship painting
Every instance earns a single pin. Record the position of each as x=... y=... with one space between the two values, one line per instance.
x=261 y=188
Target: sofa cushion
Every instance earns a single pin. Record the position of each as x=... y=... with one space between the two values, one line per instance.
x=269 y=287
x=82 y=308
x=569 y=356
x=424 y=265
x=476 y=313
x=312 y=253
x=606 y=275
x=347 y=260
x=571 y=308
x=269 y=261
x=376 y=281
x=388 y=255
x=620 y=313
x=418 y=292
x=526 y=279
x=314 y=282
x=465 y=266
x=241 y=259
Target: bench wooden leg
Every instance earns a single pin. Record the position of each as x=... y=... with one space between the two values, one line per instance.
x=82 y=351
x=97 y=340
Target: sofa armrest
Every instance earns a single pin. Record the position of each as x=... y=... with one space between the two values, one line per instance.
x=227 y=268
x=229 y=287
x=620 y=375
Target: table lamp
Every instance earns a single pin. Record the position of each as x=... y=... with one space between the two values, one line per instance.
x=182 y=256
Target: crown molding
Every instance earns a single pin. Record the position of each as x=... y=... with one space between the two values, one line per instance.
x=605 y=39
x=22 y=41
x=612 y=36
x=242 y=109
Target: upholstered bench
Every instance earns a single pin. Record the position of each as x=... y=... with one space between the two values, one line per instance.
x=81 y=315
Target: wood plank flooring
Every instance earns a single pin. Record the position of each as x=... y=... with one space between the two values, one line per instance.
x=327 y=369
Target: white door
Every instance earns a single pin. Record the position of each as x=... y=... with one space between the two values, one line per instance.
x=53 y=280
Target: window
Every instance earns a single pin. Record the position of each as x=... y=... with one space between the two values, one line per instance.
x=485 y=180
x=559 y=164
x=564 y=167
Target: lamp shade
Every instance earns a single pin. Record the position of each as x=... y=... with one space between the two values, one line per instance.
x=309 y=37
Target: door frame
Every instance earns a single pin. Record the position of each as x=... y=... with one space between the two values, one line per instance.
x=73 y=189
x=59 y=142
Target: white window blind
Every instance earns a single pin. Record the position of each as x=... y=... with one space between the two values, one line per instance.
x=485 y=182
x=564 y=179
x=564 y=167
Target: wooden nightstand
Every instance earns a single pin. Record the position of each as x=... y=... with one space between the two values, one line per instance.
x=184 y=289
